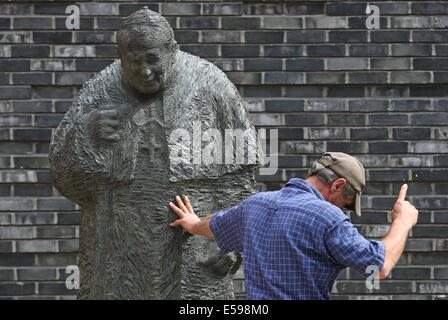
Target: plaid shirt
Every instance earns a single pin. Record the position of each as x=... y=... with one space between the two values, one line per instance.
x=294 y=243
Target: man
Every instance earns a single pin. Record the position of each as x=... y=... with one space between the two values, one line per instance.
x=116 y=156
x=295 y=241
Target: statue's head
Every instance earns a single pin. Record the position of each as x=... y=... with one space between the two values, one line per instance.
x=146 y=47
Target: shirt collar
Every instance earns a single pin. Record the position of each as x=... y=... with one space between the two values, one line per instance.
x=304 y=185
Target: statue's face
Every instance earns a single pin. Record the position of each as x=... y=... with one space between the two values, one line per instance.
x=145 y=68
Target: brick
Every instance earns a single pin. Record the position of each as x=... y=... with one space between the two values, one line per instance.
x=107 y=23
x=109 y=51
x=369 y=133
x=346 y=119
x=390 y=36
x=201 y=23
x=429 y=119
x=5 y=191
x=34 y=218
x=55 y=204
x=325 y=22
x=51 y=92
x=16 y=232
x=30 y=274
x=432 y=287
x=325 y=105
x=326 y=133
x=347 y=147
x=410 y=77
x=339 y=92
x=30 y=51
x=430 y=36
x=52 y=37
x=90 y=37
x=430 y=64
x=369 y=50
x=32 y=23
x=411 y=133
x=16 y=288
x=430 y=175
x=262 y=9
x=98 y=9
x=441 y=160
x=15 y=148
x=69 y=245
x=305 y=119
x=411 y=50
x=32 y=78
x=325 y=50
x=388 y=147
x=430 y=203
x=304 y=147
x=15 y=121
x=6 y=275
x=52 y=65
x=72 y=78
x=346 y=64
x=411 y=273
x=284 y=78
x=183 y=36
x=5 y=23
x=304 y=64
x=15 y=37
x=325 y=77
x=390 y=64
x=411 y=105
x=263 y=36
x=14 y=65
x=201 y=50
x=244 y=78
x=35 y=190
x=304 y=92
x=69 y=218
x=429 y=8
x=283 y=50
x=222 y=9
x=92 y=64
x=305 y=36
x=440 y=77
x=36 y=246
x=367 y=77
x=264 y=91
x=221 y=36
x=283 y=23
x=429 y=147
x=54 y=288
x=266 y=119
x=347 y=36
x=229 y=64
x=441 y=133
x=346 y=9
x=441 y=273
x=386 y=91
x=240 y=51
x=388 y=175
x=428 y=91
x=304 y=9
x=412 y=22
x=428 y=258
x=284 y=105
x=7 y=260
x=128 y=8
x=5 y=246
x=239 y=23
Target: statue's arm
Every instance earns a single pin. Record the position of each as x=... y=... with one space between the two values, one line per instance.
x=76 y=162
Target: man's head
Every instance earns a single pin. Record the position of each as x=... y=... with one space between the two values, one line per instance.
x=343 y=179
x=146 y=47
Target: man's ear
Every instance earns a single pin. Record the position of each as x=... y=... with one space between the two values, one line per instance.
x=338 y=184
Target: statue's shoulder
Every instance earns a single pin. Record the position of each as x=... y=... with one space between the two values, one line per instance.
x=188 y=63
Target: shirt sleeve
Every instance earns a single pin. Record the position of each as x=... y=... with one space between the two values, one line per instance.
x=227 y=228
x=347 y=247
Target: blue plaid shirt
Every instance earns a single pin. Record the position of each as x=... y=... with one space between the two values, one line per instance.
x=294 y=243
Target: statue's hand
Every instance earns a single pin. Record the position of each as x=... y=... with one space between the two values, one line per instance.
x=106 y=122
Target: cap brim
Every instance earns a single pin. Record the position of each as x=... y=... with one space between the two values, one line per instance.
x=358 y=204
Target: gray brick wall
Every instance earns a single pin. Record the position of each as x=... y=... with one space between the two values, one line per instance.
x=310 y=68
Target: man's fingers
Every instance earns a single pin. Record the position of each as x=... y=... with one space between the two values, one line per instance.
x=179 y=212
x=181 y=204
x=175 y=223
x=403 y=190
x=188 y=204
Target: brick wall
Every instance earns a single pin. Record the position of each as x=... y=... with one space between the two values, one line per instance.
x=310 y=68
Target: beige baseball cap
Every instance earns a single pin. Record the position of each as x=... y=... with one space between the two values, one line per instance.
x=350 y=169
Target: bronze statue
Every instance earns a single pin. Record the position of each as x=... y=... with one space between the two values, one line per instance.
x=119 y=154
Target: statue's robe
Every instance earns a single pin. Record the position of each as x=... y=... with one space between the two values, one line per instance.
x=127 y=248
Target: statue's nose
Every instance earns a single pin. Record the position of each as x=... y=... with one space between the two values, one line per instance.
x=147 y=73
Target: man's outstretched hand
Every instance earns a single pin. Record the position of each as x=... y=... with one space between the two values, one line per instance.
x=403 y=210
x=188 y=219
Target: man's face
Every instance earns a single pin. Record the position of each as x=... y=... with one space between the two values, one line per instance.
x=145 y=68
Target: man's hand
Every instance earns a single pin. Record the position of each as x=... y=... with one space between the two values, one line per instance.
x=403 y=211
x=107 y=121
x=188 y=219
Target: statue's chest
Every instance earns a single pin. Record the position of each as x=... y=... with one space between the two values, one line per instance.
x=152 y=150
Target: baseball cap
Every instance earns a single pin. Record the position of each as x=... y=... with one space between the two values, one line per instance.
x=350 y=169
